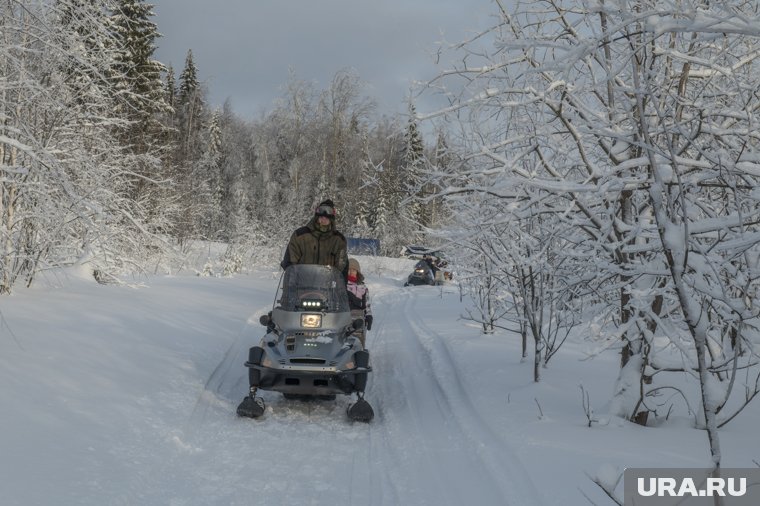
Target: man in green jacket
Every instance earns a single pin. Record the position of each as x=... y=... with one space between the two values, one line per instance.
x=319 y=242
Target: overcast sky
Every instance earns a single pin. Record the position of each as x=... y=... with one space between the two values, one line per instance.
x=243 y=49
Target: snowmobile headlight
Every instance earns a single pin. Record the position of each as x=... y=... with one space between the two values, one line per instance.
x=311 y=321
x=419 y=271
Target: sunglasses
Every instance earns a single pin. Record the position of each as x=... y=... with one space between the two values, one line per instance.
x=325 y=211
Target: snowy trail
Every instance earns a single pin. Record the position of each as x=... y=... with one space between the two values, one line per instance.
x=428 y=423
x=127 y=396
x=426 y=445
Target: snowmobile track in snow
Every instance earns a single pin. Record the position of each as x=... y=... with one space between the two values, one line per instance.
x=417 y=391
x=496 y=455
x=229 y=378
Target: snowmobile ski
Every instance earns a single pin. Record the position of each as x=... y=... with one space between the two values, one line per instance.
x=251 y=407
x=360 y=411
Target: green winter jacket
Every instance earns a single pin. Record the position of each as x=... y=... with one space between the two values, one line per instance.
x=308 y=245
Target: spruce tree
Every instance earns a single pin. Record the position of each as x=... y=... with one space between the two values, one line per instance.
x=212 y=164
x=362 y=218
x=441 y=163
x=411 y=171
x=137 y=81
x=189 y=110
x=137 y=74
x=170 y=87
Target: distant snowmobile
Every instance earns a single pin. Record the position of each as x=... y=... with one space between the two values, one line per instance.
x=310 y=348
x=423 y=274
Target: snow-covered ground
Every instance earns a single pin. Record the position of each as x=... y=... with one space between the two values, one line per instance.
x=126 y=396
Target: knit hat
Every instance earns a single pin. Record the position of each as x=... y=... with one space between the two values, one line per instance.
x=354 y=264
x=325 y=208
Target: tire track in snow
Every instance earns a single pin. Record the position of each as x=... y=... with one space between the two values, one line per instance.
x=403 y=394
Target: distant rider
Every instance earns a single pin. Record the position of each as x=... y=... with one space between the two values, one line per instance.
x=432 y=264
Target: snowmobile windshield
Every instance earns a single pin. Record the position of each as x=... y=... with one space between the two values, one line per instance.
x=313 y=288
x=422 y=267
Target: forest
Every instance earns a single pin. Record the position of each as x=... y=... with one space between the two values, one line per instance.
x=108 y=157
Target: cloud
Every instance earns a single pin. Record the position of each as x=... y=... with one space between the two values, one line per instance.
x=244 y=48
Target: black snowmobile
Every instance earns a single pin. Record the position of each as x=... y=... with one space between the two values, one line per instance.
x=310 y=349
x=422 y=274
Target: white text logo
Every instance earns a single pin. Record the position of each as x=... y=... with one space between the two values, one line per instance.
x=661 y=487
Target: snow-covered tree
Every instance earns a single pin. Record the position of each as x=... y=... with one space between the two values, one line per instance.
x=632 y=137
x=363 y=220
x=63 y=173
x=413 y=161
x=342 y=109
x=137 y=82
x=190 y=109
x=138 y=76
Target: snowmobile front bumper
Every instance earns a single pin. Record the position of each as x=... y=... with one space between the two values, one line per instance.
x=310 y=380
x=415 y=280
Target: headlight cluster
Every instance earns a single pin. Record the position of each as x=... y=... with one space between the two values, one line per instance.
x=312 y=303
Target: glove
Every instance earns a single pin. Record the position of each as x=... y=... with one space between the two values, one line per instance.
x=368 y=321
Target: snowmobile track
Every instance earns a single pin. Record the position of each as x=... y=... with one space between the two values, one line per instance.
x=416 y=393
x=229 y=379
x=498 y=457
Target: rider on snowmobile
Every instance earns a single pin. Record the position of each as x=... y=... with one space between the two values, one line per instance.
x=318 y=242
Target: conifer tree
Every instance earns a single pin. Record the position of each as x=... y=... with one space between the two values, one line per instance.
x=137 y=82
x=411 y=171
x=138 y=75
x=441 y=163
x=211 y=163
x=362 y=218
x=189 y=110
x=380 y=222
x=170 y=87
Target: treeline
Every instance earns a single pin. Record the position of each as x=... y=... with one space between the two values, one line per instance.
x=109 y=159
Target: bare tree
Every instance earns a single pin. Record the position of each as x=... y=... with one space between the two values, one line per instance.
x=628 y=127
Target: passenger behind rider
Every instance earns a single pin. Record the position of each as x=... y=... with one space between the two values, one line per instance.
x=358 y=298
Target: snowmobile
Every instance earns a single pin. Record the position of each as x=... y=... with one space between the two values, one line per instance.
x=310 y=349
x=422 y=275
